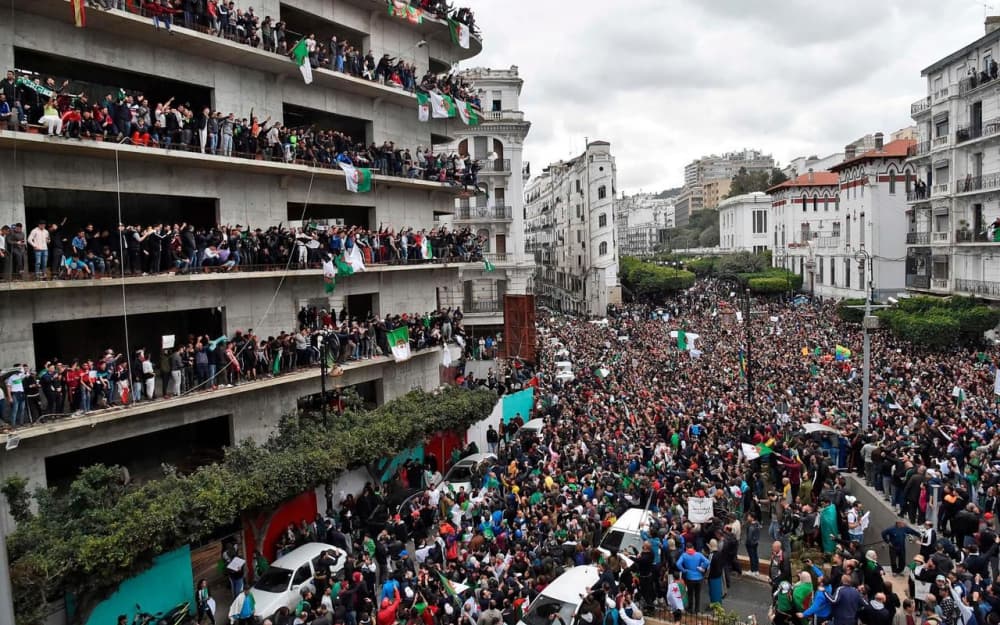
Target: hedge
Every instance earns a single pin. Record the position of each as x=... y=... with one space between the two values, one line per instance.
x=940 y=322
x=651 y=280
x=100 y=533
x=771 y=281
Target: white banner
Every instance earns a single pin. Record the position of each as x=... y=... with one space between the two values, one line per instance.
x=168 y=341
x=749 y=451
x=996 y=383
x=700 y=509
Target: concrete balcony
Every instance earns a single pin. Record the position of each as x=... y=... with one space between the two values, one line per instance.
x=918 y=150
x=938 y=143
x=212 y=278
x=483 y=213
x=177 y=157
x=180 y=408
x=940 y=189
x=503 y=116
x=496 y=166
x=482 y=306
x=828 y=242
x=940 y=238
x=940 y=285
x=920 y=107
x=918 y=238
x=943 y=94
x=982 y=288
x=983 y=130
x=188 y=41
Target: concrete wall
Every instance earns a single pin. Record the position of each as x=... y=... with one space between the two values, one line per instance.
x=882 y=517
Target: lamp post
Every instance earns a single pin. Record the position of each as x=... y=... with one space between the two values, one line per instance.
x=867 y=323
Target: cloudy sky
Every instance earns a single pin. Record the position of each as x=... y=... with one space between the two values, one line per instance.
x=666 y=81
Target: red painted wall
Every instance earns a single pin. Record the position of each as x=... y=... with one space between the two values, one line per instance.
x=292 y=511
x=441 y=445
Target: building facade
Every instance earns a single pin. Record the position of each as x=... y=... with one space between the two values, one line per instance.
x=745 y=223
x=497 y=143
x=952 y=248
x=707 y=180
x=640 y=221
x=107 y=183
x=571 y=232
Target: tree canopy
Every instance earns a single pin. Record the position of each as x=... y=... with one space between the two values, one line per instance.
x=101 y=532
x=750 y=181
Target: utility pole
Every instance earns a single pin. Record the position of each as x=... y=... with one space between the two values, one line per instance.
x=868 y=323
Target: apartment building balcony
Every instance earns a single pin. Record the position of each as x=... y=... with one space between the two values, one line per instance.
x=920 y=107
x=982 y=288
x=977 y=184
x=971 y=84
x=969 y=236
x=26 y=141
x=495 y=166
x=940 y=238
x=940 y=189
x=917 y=150
x=917 y=197
x=502 y=116
x=828 y=242
x=918 y=238
x=981 y=130
x=940 y=285
x=939 y=143
x=474 y=306
x=942 y=94
x=483 y=213
x=189 y=41
x=918 y=282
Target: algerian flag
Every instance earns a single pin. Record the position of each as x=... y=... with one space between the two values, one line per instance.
x=467 y=113
x=958 y=393
x=459 y=33
x=764 y=449
x=426 y=251
x=487 y=265
x=399 y=342
x=359 y=179
x=442 y=106
x=682 y=343
x=601 y=372
x=344 y=268
x=355 y=259
x=300 y=53
x=423 y=106
x=447 y=585
x=329 y=276
x=749 y=451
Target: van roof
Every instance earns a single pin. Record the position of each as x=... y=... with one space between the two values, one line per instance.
x=631 y=519
x=570 y=585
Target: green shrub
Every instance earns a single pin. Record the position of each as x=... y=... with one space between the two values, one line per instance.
x=645 y=279
x=768 y=285
x=702 y=267
x=850 y=315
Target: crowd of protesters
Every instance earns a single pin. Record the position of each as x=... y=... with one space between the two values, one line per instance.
x=130 y=116
x=63 y=386
x=50 y=250
x=648 y=424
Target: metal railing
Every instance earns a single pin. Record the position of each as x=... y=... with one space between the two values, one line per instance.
x=975 y=131
x=919 y=149
x=918 y=238
x=972 y=83
x=978 y=183
x=969 y=236
x=918 y=282
x=917 y=196
x=978 y=287
x=482 y=306
x=472 y=213
x=920 y=106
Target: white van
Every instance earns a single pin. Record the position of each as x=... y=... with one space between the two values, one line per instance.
x=562 y=596
x=531 y=428
x=563 y=365
x=625 y=535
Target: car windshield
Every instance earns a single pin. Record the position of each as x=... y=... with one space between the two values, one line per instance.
x=543 y=607
x=275 y=579
x=459 y=474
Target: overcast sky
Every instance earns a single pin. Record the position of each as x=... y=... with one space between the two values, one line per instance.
x=666 y=81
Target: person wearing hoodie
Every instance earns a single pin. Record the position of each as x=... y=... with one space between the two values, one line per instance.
x=387 y=611
x=875 y=612
x=693 y=566
x=819 y=610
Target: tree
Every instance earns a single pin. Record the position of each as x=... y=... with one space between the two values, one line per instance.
x=101 y=532
x=753 y=181
x=777 y=177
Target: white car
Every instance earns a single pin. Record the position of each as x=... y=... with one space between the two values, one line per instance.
x=460 y=474
x=282 y=583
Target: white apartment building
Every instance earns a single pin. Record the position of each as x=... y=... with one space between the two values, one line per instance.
x=802 y=164
x=956 y=196
x=639 y=221
x=497 y=143
x=571 y=232
x=745 y=223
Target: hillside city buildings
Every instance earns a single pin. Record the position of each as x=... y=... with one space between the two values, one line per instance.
x=640 y=222
x=498 y=215
x=707 y=180
x=73 y=183
x=571 y=232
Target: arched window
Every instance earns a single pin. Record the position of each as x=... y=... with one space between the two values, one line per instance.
x=805 y=200
x=602 y=192
x=892 y=182
x=602 y=249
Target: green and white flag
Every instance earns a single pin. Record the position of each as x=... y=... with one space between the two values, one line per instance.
x=467 y=113
x=487 y=265
x=442 y=106
x=423 y=106
x=601 y=372
x=459 y=33
x=355 y=260
x=359 y=179
x=329 y=276
x=958 y=393
x=426 y=250
x=300 y=53
x=399 y=342
x=682 y=342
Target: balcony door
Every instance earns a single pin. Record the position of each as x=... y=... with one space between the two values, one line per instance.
x=501 y=244
x=977 y=218
x=976 y=119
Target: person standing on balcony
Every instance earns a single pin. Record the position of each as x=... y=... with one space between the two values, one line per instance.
x=226 y=126
x=38 y=239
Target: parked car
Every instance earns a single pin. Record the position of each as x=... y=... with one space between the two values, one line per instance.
x=563 y=597
x=283 y=582
x=398 y=503
x=460 y=474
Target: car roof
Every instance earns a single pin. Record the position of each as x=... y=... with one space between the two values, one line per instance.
x=534 y=424
x=475 y=459
x=631 y=519
x=297 y=556
x=570 y=585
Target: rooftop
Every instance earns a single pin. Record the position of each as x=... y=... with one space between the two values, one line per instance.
x=893 y=149
x=811 y=179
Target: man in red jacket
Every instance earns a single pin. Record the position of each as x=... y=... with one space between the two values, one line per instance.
x=387 y=613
